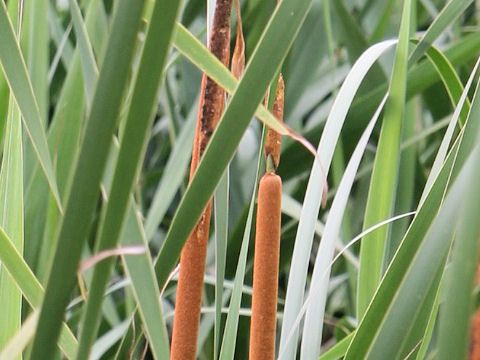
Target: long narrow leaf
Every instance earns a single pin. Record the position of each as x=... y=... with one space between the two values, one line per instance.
x=86 y=184
x=420 y=276
x=188 y=45
x=231 y=326
x=11 y=219
x=456 y=311
x=381 y=196
x=132 y=147
x=31 y=288
x=16 y=74
x=449 y=13
x=221 y=202
x=312 y=330
x=370 y=329
x=311 y=207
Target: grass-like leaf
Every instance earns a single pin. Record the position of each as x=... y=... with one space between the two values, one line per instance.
x=312 y=330
x=421 y=275
x=31 y=288
x=381 y=197
x=390 y=286
x=86 y=183
x=11 y=219
x=449 y=13
x=221 y=202
x=132 y=147
x=231 y=326
x=311 y=207
x=195 y=51
x=456 y=310
x=175 y=171
x=19 y=82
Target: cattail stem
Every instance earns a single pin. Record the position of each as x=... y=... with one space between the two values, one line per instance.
x=265 y=270
x=192 y=259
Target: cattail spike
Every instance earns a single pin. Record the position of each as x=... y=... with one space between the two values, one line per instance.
x=265 y=268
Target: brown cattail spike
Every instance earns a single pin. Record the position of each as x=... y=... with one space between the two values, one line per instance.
x=267 y=244
x=265 y=271
x=192 y=260
x=273 y=142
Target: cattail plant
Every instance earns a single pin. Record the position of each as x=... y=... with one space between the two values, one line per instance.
x=267 y=245
x=192 y=260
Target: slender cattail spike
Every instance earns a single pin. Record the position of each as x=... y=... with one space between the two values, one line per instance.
x=265 y=271
x=267 y=245
x=273 y=142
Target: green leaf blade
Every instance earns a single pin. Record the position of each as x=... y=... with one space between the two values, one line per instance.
x=381 y=196
x=86 y=183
